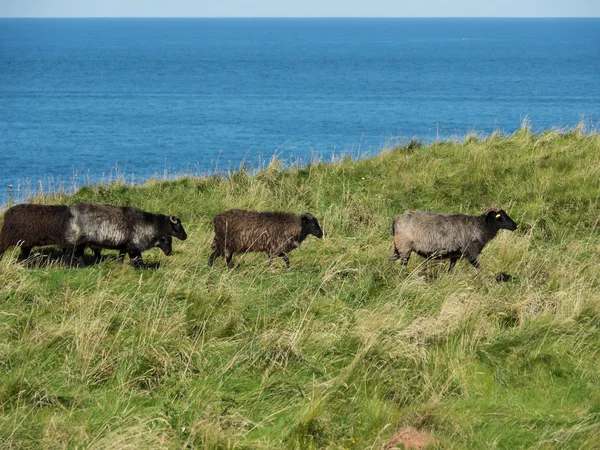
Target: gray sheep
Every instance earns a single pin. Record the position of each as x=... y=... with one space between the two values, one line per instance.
x=276 y=233
x=446 y=236
x=126 y=229
x=30 y=225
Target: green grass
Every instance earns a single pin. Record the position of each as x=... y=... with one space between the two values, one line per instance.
x=345 y=348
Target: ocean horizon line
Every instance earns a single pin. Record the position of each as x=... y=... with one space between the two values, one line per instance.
x=302 y=17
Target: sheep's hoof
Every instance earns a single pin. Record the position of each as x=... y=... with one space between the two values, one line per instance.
x=76 y=263
x=503 y=277
x=136 y=263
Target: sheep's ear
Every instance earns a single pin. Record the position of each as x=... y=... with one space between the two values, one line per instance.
x=495 y=214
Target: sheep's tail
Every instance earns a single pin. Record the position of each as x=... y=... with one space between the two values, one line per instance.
x=393 y=225
x=3 y=247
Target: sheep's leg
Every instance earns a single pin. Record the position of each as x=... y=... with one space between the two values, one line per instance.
x=97 y=255
x=25 y=252
x=135 y=259
x=78 y=251
x=452 y=264
x=214 y=255
x=73 y=256
x=286 y=259
x=474 y=262
x=68 y=254
x=78 y=256
x=404 y=259
x=228 y=258
x=402 y=250
x=122 y=254
x=396 y=256
x=472 y=254
x=79 y=262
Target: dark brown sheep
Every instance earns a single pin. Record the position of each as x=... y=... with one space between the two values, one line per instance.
x=447 y=236
x=31 y=226
x=276 y=233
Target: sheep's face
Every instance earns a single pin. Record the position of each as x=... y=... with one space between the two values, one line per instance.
x=165 y=243
x=177 y=228
x=310 y=225
x=501 y=220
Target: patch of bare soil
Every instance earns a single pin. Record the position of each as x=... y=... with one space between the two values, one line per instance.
x=411 y=438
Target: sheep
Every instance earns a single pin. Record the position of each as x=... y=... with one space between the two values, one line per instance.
x=446 y=236
x=30 y=225
x=276 y=233
x=126 y=229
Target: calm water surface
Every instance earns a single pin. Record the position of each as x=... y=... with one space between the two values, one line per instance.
x=81 y=99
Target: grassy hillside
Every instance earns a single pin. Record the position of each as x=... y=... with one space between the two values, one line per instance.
x=344 y=349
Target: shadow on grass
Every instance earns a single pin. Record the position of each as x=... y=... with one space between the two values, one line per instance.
x=149 y=266
x=48 y=257
x=43 y=258
x=504 y=277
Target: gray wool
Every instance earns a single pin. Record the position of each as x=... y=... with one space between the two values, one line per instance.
x=442 y=235
x=111 y=226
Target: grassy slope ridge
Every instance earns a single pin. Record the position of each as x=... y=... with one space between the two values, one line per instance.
x=345 y=348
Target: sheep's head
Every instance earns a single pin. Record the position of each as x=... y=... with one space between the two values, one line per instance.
x=310 y=225
x=165 y=243
x=499 y=219
x=177 y=228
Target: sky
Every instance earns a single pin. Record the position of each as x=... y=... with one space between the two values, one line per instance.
x=303 y=8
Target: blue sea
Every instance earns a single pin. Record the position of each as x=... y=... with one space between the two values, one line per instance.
x=90 y=100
